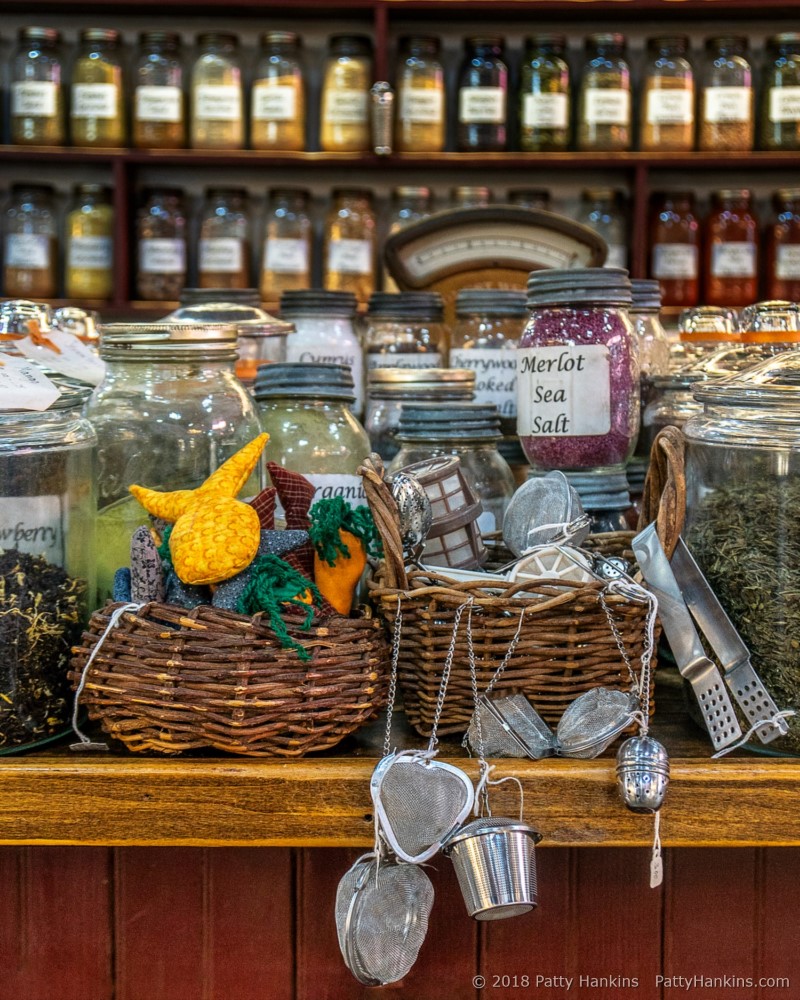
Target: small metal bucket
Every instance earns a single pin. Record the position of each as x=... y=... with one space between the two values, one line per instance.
x=496 y=867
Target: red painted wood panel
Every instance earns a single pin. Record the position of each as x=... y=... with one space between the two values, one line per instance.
x=778 y=953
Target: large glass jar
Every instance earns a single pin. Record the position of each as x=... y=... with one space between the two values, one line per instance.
x=604 y=99
x=305 y=409
x=286 y=258
x=159 y=111
x=770 y=323
x=470 y=196
x=37 y=89
x=224 y=246
x=169 y=411
x=544 y=94
x=578 y=370
x=97 y=111
x=161 y=245
x=408 y=205
x=47 y=562
x=405 y=330
x=704 y=324
x=670 y=403
x=30 y=260
x=668 y=100
x=89 y=244
x=349 y=243
x=675 y=247
x=726 y=97
x=780 y=109
x=731 y=245
x=278 y=99
x=743 y=492
x=421 y=116
x=482 y=96
x=651 y=337
x=346 y=82
x=217 y=100
x=782 y=247
x=602 y=209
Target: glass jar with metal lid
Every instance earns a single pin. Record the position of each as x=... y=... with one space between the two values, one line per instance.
x=408 y=205
x=169 y=411
x=675 y=247
x=421 y=121
x=389 y=389
x=538 y=198
x=544 y=94
x=667 y=121
x=288 y=237
x=670 y=403
x=346 y=81
x=278 y=97
x=30 y=261
x=349 y=243
x=97 y=111
x=161 y=233
x=217 y=97
x=604 y=98
x=770 y=322
x=726 y=98
x=708 y=323
x=603 y=210
x=780 y=81
x=782 y=246
x=731 y=249
x=651 y=335
x=89 y=244
x=159 y=111
x=47 y=561
x=483 y=96
x=405 y=330
x=224 y=245
x=37 y=89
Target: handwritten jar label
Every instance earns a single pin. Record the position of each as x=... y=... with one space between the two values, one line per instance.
x=158 y=104
x=422 y=105
x=787 y=263
x=162 y=255
x=733 y=260
x=218 y=102
x=94 y=100
x=34 y=525
x=36 y=98
x=670 y=107
x=327 y=485
x=482 y=105
x=28 y=250
x=221 y=255
x=92 y=253
x=563 y=391
x=325 y=347
x=608 y=106
x=727 y=104
x=348 y=256
x=24 y=386
x=285 y=256
x=273 y=102
x=675 y=260
x=545 y=110
x=345 y=107
x=784 y=104
x=405 y=359
x=495 y=375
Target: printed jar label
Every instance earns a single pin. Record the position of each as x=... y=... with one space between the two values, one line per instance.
x=608 y=106
x=727 y=104
x=545 y=110
x=674 y=260
x=26 y=250
x=285 y=256
x=218 y=102
x=350 y=256
x=327 y=486
x=221 y=255
x=345 y=107
x=733 y=260
x=495 y=375
x=73 y=358
x=421 y=106
x=92 y=253
x=24 y=386
x=482 y=105
x=670 y=107
x=158 y=104
x=162 y=256
x=322 y=348
x=404 y=360
x=787 y=263
x=274 y=102
x=617 y=255
x=94 y=100
x=784 y=104
x=34 y=525
x=563 y=391
x=36 y=98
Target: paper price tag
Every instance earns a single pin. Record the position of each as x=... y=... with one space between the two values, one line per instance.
x=75 y=359
x=23 y=386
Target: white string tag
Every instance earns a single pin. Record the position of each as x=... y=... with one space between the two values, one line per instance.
x=656 y=861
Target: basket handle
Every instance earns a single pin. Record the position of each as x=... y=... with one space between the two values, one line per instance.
x=387 y=520
x=664 y=497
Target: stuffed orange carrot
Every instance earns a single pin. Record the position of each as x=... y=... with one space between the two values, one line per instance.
x=341 y=536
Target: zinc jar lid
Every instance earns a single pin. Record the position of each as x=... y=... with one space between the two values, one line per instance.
x=579 y=286
x=406 y=305
x=491 y=302
x=316 y=302
x=451 y=422
x=646 y=294
x=305 y=380
x=143 y=341
x=774 y=382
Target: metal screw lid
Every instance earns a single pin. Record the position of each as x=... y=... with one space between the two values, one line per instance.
x=646 y=294
x=142 y=341
x=316 y=302
x=601 y=489
x=304 y=380
x=110 y=35
x=456 y=421
x=491 y=302
x=425 y=306
x=36 y=34
x=579 y=286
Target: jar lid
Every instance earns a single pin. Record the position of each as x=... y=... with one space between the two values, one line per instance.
x=301 y=194
x=512 y=451
x=21 y=187
x=215 y=307
x=728 y=194
x=428 y=43
x=772 y=382
x=735 y=358
x=304 y=380
x=351 y=192
x=646 y=294
x=281 y=38
x=406 y=191
x=493 y=41
x=426 y=306
x=170 y=38
x=351 y=45
x=315 y=302
x=100 y=35
x=161 y=339
x=601 y=489
x=684 y=378
x=770 y=317
x=530 y=196
x=706 y=319
x=36 y=34
x=727 y=42
x=217 y=38
x=227 y=192
x=470 y=191
x=787 y=194
x=603 y=39
x=679 y=42
x=421 y=376
x=601 y=194
x=785 y=38
x=636 y=473
x=579 y=286
x=162 y=192
x=491 y=302
x=546 y=41
x=455 y=421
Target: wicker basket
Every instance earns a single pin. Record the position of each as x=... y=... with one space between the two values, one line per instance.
x=170 y=680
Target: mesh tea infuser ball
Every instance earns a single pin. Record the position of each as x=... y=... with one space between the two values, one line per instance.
x=544 y=510
x=414 y=509
x=642 y=773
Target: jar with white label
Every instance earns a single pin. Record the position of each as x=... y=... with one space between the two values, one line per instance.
x=97 y=109
x=544 y=95
x=37 y=89
x=408 y=205
x=726 y=99
x=89 y=244
x=286 y=257
x=346 y=83
x=349 y=243
x=604 y=99
x=223 y=251
x=780 y=107
x=161 y=243
x=217 y=98
x=159 y=112
x=30 y=242
x=405 y=330
x=675 y=247
x=731 y=247
x=484 y=339
x=782 y=247
x=421 y=112
x=482 y=96
x=667 y=109
x=278 y=98
x=470 y=196
x=305 y=409
x=602 y=209
x=770 y=323
x=578 y=370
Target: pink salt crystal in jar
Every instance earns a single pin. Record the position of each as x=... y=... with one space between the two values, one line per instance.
x=578 y=370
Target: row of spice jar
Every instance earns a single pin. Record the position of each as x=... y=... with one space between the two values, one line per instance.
x=676 y=112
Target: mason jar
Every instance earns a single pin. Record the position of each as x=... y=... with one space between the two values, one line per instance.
x=702 y=324
x=675 y=247
x=668 y=102
x=782 y=246
x=89 y=244
x=161 y=238
x=288 y=236
x=780 y=108
x=347 y=78
x=604 y=98
x=731 y=249
x=483 y=96
x=670 y=403
x=545 y=95
x=97 y=111
x=224 y=246
x=651 y=337
x=278 y=97
x=159 y=111
x=37 y=89
x=217 y=96
x=421 y=122
x=405 y=330
x=602 y=209
x=30 y=241
x=770 y=323
x=726 y=99
x=349 y=243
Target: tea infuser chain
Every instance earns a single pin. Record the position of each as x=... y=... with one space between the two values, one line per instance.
x=392 y=694
x=641 y=683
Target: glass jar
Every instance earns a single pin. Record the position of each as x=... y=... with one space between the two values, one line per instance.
x=278 y=100
x=159 y=111
x=346 y=82
x=97 y=111
x=604 y=98
x=217 y=101
x=286 y=260
x=409 y=205
x=770 y=323
x=37 y=89
x=482 y=96
x=578 y=370
x=89 y=244
x=470 y=196
x=161 y=245
x=305 y=409
x=651 y=336
x=726 y=97
x=47 y=562
x=782 y=247
x=169 y=411
x=325 y=333
x=224 y=246
x=544 y=95
x=484 y=339
x=675 y=247
x=780 y=109
x=704 y=324
x=743 y=491
x=349 y=243
x=30 y=261
x=602 y=209
x=536 y=198
x=389 y=389
x=405 y=330
x=670 y=403
x=421 y=117
x=668 y=99
x=731 y=250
